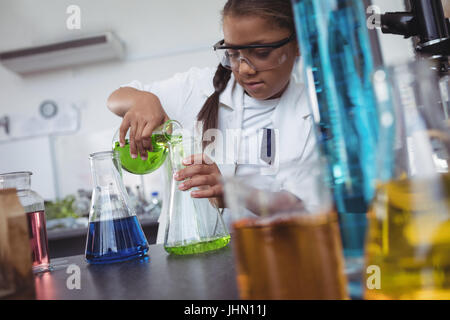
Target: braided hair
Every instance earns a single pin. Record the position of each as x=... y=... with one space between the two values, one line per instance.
x=275 y=11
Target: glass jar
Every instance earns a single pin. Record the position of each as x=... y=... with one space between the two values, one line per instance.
x=33 y=205
x=408 y=243
x=286 y=238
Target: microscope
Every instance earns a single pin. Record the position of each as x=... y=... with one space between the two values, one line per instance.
x=427 y=24
x=425 y=21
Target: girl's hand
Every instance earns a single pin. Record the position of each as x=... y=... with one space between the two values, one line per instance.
x=204 y=174
x=142 y=113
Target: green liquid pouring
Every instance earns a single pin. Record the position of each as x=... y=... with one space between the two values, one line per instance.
x=199 y=247
x=155 y=158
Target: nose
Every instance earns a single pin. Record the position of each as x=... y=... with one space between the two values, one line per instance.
x=245 y=67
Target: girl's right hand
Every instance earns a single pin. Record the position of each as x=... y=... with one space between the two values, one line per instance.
x=143 y=114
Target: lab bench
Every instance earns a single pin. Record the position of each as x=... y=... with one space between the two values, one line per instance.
x=160 y=276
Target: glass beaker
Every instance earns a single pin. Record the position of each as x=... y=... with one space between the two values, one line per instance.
x=155 y=158
x=33 y=205
x=408 y=243
x=194 y=225
x=286 y=238
x=115 y=233
x=338 y=66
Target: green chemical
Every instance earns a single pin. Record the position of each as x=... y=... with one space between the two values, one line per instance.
x=199 y=247
x=155 y=158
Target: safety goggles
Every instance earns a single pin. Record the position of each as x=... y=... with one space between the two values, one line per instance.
x=260 y=57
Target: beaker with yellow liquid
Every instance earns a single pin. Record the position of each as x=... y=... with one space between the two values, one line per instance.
x=286 y=237
x=408 y=242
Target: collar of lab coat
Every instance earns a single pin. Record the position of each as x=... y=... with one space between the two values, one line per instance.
x=290 y=100
x=289 y=118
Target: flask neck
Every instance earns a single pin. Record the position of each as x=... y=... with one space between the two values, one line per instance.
x=21 y=181
x=106 y=169
x=109 y=197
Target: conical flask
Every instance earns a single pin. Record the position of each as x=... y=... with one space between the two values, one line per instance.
x=194 y=225
x=408 y=244
x=115 y=233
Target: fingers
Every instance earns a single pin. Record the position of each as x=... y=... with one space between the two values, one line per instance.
x=147 y=137
x=208 y=186
x=138 y=140
x=205 y=177
x=133 y=149
x=123 y=131
x=211 y=192
x=193 y=170
x=198 y=181
x=196 y=159
x=141 y=139
x=143 y=115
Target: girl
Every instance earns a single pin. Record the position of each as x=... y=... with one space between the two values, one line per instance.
x=252 y=92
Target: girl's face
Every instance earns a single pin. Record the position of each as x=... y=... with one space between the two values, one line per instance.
x=246 y=30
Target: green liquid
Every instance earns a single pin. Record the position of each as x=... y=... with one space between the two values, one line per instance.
x=199 y=247
x=155 y=158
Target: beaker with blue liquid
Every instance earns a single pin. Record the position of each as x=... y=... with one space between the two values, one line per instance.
x=115 y=233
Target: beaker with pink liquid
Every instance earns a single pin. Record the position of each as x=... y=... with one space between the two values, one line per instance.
x=33 y=205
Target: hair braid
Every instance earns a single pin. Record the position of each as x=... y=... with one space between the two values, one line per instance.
x=209 y=114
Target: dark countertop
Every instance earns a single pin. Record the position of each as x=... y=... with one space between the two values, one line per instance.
x=207 y=276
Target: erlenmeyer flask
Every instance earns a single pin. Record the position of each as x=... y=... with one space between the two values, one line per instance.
x=155 y=158
x=194 y=225
x=408 y=244
x=115 y=233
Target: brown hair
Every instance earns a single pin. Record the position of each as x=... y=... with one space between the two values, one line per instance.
x=278 y=12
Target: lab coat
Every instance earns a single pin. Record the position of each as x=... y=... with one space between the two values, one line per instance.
x=183 y=96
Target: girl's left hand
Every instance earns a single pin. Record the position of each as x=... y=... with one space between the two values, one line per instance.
x=203 y=173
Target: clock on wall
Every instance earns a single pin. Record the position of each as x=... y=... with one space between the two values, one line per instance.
x=48 y=109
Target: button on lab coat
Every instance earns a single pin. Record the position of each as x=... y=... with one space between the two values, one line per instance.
x=183 y=96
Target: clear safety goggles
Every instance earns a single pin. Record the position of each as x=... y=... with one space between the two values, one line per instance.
x=260 y=57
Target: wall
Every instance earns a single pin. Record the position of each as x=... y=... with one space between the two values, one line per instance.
x=162 y=37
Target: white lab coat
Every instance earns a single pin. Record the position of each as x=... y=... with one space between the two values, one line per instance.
x=183 y=95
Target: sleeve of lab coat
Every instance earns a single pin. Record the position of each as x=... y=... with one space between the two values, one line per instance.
x=177 y=90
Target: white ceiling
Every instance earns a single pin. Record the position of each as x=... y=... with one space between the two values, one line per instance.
x=147 y=27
